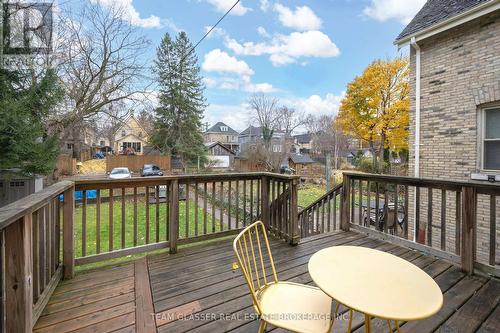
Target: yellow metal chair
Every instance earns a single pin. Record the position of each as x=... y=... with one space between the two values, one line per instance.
x=291 y=306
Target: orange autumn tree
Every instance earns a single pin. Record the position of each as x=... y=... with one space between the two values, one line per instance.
x=376 y=107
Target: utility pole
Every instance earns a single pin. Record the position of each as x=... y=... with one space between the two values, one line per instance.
x=328 y=171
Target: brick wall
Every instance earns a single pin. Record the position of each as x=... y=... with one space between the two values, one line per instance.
x=460 y=74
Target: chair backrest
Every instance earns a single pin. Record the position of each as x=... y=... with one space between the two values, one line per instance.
x=254 y=256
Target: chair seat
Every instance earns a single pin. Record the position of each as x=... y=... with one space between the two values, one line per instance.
x=296 y=307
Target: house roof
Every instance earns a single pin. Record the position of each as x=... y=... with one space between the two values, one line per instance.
x=257 y=131
x=435 y=12
x=217 y=128
x=303 y=138
x=301 y=158
x=217 y=143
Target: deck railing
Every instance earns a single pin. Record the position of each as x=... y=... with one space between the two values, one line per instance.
x=104 y=219
x=323 y=215
x=455 y=220
x=30 y=248
x=122 y=217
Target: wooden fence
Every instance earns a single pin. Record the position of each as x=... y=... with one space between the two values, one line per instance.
x=66 y=165
x=136 y=162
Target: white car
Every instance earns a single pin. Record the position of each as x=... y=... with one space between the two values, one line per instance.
x=120 y=173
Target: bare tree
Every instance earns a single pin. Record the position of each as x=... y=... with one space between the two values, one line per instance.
x=289 y=119
x=266 y=113
x=326 y=138
x=100 y=63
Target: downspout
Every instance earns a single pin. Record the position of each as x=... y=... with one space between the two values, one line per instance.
x=414 y=44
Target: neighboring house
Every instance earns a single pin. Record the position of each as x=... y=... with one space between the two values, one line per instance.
x=253 y=136
x=224 y=134
x=130 y=136
x=304 y=142
x=303 y=165
x=80 y=145
x=455 y=99
x=219 y=156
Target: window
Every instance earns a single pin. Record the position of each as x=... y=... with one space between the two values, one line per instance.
x=102 y=143
x=136 y=146
x=491 y=139
x=124 y=133
x=223 y=128
x=69 y=146
x=276 y=148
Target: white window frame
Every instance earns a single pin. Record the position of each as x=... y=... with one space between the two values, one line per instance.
x=483 y=138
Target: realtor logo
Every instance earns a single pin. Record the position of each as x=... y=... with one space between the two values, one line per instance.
x=27 y=28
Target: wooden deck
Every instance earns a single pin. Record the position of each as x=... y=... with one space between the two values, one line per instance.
x=196 y=290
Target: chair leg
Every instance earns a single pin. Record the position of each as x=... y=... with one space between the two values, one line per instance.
x=262 y=326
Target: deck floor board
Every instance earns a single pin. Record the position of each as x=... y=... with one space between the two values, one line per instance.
x=191 y=289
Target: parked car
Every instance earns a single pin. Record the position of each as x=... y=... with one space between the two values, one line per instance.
x=151 y=170
x=120 y=173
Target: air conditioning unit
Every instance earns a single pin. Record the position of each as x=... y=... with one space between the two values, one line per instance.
x=485 y=177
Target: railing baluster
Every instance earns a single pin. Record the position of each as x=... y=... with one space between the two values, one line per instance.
x=196 y=208
x=396 y=209
x=329 y=212
x=147 y=213
x=43 y=243
x=36 y=256
x=258 y=198
x=173 y=214
x=186 y=229
x=334 y=212
x=429 y=216
x=213 y=206
x=251 y=202
x=407 y=209
x=205 y=194
x=123 y=219
x=366 y=223
x=135 y=216
x=417 y=214
x=353 y=199
x=98 y=222
x=68 y=234
x=237 y=204
x=386 y=209
x=443 y=219
x=493 y=230
x=221 y=209
x=360 y=201
x=377 y=202
x=84 y=223
x=157 y=213
x=244 y=203
x=458 y=225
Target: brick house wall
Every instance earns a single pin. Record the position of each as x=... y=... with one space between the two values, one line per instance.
x=460 y=74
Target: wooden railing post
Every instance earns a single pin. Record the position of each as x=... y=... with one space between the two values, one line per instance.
x=264 y=195
x=173 y=220
x=294 y=212
x=344 y=203
x=18 y=276
x=469 y=224
x=68 y=233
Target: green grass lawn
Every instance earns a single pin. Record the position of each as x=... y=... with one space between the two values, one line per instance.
x=91 y=248
x=309 y=193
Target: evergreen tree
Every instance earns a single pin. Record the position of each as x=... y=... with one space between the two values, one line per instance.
x=178 y=119
x=25 y=103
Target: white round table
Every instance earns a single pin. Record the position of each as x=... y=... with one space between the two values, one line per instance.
x=375 y=283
